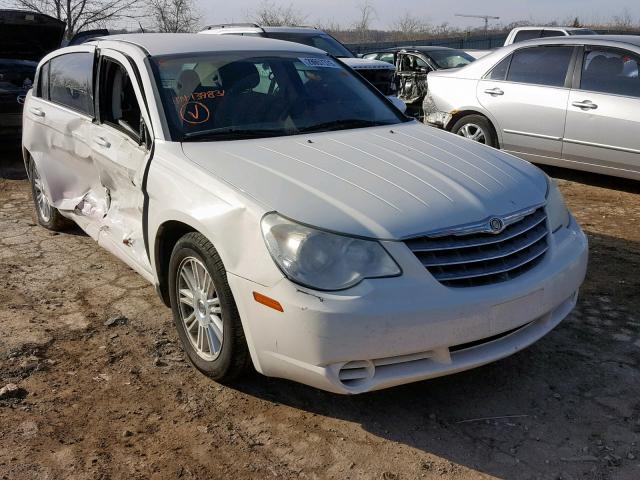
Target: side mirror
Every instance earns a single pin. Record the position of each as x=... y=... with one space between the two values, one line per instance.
x=399 y=104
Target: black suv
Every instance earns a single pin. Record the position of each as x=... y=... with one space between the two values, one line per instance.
x=25 y=37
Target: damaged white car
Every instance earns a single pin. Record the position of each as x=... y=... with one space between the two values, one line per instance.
x=291 y=216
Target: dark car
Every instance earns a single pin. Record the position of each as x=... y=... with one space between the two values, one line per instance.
x=413 y=63
x=25 y=37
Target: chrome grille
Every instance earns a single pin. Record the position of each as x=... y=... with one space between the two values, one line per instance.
x=484 y=258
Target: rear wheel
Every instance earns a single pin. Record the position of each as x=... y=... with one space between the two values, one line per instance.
x=47 y=215
x=204 y=310
x=476 y=128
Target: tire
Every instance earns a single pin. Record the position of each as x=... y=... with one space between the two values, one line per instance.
x=47 y=216
x=206 y=311
x=477 y=128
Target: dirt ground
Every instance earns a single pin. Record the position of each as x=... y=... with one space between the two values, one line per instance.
x=119 y=401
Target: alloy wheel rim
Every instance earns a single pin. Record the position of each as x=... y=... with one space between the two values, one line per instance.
x=200 y=310
x=44 y=208
x=473 y=132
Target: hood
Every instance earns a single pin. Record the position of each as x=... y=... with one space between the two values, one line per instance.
x=388 y=182
x=364 y=64
x=28 y=35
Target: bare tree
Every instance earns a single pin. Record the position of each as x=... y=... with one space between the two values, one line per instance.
x=84 y=14
x=271 y=14
x=367 y=13
x=408 y=26
x=173 y=16
x=444 y=30
x=623 y=21
x=331 y=25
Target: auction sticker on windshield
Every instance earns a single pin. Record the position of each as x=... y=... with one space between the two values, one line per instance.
x=319 y=62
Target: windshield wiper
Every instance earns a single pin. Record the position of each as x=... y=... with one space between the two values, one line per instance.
x=232 y=133
x=341 y=125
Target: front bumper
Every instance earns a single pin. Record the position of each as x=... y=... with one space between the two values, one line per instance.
x=387 y=332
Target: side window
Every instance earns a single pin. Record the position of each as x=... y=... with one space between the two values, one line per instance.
x=43 y=82
x=71 y=81
x=370 y=56
x=523 y=35
x=413 y=63
x=552 y=33
x=387 y=57
x=611 y=71
x=499 y=72
x=540 y=66
x=118 y=103
x=267 y=83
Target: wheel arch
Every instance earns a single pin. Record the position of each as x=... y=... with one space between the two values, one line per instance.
x=166 y=237
x=465 y=113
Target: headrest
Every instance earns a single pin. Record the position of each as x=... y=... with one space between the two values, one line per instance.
x=615 y=65
x=239 y=76
x=188 y=82
x=598 y=64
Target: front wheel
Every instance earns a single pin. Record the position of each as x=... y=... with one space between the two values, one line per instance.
x=477 y=128
x=204 y=310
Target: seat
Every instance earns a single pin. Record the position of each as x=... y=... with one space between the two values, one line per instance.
x=241 y=105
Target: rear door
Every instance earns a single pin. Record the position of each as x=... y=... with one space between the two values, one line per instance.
x=58 y=130
x=121 y=147
x=602 y=119
x=527 y=95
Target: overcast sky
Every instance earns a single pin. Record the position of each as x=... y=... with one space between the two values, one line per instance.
x=435 y=12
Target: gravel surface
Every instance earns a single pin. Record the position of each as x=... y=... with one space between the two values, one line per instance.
x=95 y=385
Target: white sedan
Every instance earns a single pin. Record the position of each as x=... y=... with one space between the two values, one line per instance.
x=291 y=216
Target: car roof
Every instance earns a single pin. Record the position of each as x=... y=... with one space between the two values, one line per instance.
x=309 y=30
x=417 y=48
x=585 y=39
x=550 y=27
x=175 y=43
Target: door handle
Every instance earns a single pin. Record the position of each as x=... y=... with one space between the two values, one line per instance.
x=38 y=112
x=586 y=105
x=102 y=142
x=494 y=91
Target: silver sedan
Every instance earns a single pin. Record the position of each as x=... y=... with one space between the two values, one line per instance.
x=565 y=101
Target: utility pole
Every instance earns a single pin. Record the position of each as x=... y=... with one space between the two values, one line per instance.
x=486 y=19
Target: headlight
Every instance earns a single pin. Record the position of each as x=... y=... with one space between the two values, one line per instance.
x=323 y=260
x=556 y=208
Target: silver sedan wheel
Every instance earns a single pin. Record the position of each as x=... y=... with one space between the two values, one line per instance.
x=473 y=132
x=42 y=204
x=199 y=307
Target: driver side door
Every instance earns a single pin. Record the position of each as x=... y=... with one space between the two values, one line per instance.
x=121 y=149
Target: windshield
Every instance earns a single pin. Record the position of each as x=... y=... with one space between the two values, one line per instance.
x=16 y=74
x=319 y=40
x=219 y=96
x=450 y=58
x=582 y=31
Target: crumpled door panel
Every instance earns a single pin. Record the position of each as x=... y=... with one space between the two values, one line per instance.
x=60 y=146
x=120 y=168
x=412 y=87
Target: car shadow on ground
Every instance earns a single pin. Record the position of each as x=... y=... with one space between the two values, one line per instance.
x=566 y=406
x=595 y=179
x=11 y=163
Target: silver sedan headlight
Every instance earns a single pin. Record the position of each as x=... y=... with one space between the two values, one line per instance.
x=323 y=260
x=556 y=209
